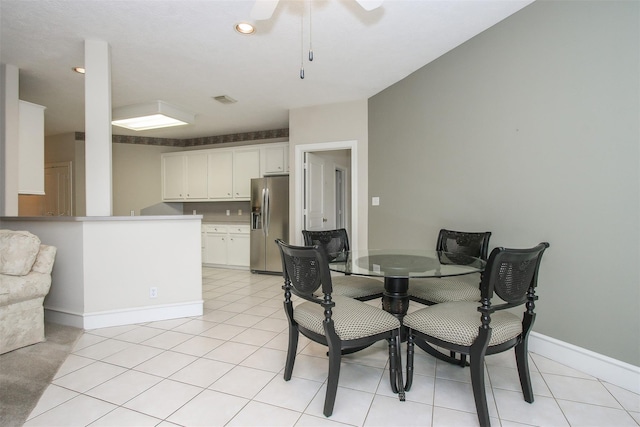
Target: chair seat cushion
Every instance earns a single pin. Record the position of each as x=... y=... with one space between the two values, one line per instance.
x=458 y=323
x=356 y=286
x=352 y=319
x=446 y=289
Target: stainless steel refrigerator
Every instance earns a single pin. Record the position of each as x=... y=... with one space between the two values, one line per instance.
x=269 y=221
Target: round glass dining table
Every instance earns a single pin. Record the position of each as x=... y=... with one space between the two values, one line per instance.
x=399 y=266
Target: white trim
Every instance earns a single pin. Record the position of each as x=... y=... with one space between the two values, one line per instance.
x=300 y=151
x=603 y=367
x=128 y=316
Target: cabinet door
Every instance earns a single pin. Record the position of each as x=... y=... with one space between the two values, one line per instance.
x=220 y=179
x=274 y=160
x=173 y=177
x=246 y=165
x=216 y=248
x=238 y=250
x=196 y=176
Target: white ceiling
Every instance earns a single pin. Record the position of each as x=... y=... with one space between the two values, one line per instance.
x=186 y=52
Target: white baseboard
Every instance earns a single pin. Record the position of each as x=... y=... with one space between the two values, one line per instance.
x=613 y=371
x=129 y=316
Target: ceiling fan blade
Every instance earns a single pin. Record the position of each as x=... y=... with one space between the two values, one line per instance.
x=370 y=4
x=263 y=9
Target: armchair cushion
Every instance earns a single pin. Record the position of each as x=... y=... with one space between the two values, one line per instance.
x=18 y=252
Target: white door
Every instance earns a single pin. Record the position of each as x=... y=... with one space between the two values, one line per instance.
x=57 y=189
x=319 y=193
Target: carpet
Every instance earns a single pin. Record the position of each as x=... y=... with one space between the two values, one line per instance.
x=26 y=372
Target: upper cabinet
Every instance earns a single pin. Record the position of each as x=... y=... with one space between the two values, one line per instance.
x=246 y=166
x=31 y=149
x=221 y=173
x=220 y=181
x=230 y=173
x=184 y=176
x=275 y=159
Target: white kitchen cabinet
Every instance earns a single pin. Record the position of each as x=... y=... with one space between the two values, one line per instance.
x=220 y=181
x=246 y=165
x=184 y=176
x=275 y=159
x=196 y=175
x=220 y=173
x=238 y=246
x=215 y=244
x=172 y=177
x=226 y=245
x=31 y=149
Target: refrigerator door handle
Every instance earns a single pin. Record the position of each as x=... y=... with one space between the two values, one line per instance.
x=264 y=210
x=268 y=211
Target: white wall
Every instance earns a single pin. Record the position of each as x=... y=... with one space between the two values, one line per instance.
x=529 y=130
x=105 y=267
x=331 y=123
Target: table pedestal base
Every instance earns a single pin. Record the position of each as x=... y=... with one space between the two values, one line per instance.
x=395 y=298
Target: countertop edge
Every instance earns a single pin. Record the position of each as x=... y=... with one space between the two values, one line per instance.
x=101 y=218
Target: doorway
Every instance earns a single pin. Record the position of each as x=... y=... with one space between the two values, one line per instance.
x=345 y=207
x=58 y=182
x=326 y=175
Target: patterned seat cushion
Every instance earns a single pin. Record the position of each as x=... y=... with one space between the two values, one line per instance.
x=458 y=323
x=356 y=286
x=446 y=289
x=352 y=318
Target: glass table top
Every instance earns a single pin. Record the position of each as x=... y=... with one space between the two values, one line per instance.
x=398 y=263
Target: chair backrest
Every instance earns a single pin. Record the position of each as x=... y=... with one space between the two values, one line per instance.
x=306 y=269
x=335 y=242
x=512 y=274
x=461 y=242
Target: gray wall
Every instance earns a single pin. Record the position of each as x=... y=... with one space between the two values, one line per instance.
x=529 y=130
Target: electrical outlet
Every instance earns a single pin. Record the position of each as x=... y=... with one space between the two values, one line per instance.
x=239 y=211
x=153 y=292
x=228 y=212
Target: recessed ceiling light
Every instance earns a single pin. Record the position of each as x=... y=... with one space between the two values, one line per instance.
x=79 y=70
x=245 y=28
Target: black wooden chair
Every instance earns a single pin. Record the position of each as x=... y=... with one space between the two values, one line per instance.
x=459 y=288
x=336 y=243
x=480 y=328
x=338 y=322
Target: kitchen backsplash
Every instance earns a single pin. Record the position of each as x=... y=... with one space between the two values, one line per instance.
x=217 y=212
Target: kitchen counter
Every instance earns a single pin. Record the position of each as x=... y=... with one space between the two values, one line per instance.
x=120 y=270
x=100 y=218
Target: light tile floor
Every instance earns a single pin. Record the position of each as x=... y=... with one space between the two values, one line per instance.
x=225 y=368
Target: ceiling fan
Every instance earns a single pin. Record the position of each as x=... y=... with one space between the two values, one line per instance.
x=263 y=9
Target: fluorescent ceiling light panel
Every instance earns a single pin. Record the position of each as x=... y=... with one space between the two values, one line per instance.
x=152 y=115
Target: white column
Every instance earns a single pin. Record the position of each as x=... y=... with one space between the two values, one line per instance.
x=9 y=139
x=97 y=100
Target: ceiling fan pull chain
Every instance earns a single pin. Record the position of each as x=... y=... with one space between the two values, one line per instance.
x=302 y=45
x=310 y=34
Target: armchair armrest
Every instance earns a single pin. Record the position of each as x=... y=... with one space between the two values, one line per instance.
x=44 y=260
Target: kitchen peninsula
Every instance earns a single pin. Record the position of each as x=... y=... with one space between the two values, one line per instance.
x=119 y=270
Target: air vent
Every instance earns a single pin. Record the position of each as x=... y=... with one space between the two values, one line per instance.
x=224 y=99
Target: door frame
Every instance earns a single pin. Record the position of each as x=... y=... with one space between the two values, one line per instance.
x=300 y=151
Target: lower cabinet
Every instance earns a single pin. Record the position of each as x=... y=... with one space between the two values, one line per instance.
x=226 y=245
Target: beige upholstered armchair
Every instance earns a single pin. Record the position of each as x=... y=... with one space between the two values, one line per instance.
x=25 y=279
